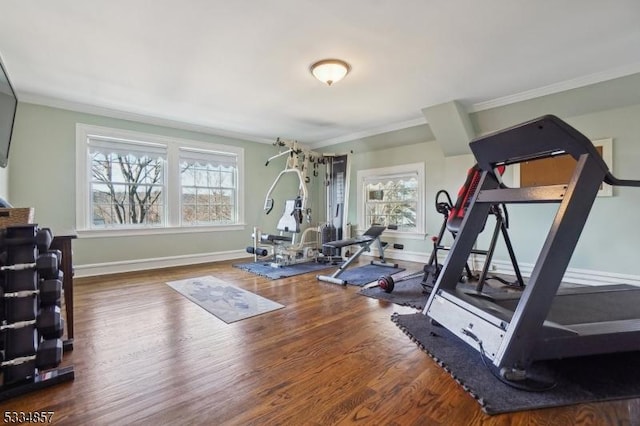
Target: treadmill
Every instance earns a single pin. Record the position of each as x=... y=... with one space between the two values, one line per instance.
x=540 y=323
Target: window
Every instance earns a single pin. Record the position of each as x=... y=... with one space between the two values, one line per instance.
x=134 y=181
x=127 y=184
x=392 y=196
x=207 y=187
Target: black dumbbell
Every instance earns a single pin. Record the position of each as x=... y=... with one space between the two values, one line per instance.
x=48 y=355
x=49 y=322
x=20 y=341
x=44 y=237
x=46 y=264
x=50 y=292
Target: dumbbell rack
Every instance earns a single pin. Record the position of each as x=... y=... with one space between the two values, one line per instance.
x=31 y=326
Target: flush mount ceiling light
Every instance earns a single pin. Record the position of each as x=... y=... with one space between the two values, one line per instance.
x=329 y=71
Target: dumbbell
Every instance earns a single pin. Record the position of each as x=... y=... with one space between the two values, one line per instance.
x=48 y=355
x=50 y=292
x=42 y=240
x=386 y=283
x=20 y=341
x=46 y=264
x=49 y=323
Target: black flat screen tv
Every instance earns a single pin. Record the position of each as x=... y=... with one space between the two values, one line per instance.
x=8 y=106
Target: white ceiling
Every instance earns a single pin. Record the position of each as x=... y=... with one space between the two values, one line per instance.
x=242 y=67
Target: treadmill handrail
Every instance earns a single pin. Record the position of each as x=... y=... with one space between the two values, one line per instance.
x=542 y=137
x=614 y=181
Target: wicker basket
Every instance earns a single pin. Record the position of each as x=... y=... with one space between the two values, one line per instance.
x=16 y=216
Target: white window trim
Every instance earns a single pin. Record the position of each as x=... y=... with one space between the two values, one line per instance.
x=172 y=226
x=365 y=174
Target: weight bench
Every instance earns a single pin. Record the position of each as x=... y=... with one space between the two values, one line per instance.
x=371 y=235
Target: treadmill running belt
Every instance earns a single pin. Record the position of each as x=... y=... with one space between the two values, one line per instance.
x=589 y=307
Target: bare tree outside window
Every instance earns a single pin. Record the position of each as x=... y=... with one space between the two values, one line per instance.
x=126 y=189
x=135 y=182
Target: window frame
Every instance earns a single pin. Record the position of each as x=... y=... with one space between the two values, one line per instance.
x=190 y=154
x=365 y=175
x=173 y=220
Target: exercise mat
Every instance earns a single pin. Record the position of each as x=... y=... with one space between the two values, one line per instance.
x=266 y=270
x=225 y=301
x=405 y=293
x=411 y=293
x=366 y=274
x=577 y=380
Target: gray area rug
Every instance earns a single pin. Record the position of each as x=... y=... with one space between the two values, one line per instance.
x=225 y=301
x=577 y=380
x=264 y=269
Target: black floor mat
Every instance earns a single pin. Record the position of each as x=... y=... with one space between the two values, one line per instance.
x=578 y=380
x=410 y=292
x=362 y=275
x=405 y=293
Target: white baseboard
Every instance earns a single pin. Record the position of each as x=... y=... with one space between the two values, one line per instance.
x=572 y=275
x=90 y=270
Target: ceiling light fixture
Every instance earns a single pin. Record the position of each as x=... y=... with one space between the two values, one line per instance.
x=329 y=71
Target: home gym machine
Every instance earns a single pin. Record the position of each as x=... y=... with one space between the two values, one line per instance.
x=370 y=236
x=513 y=330
x=336 y=182
x=297 y=239
x=452 y=219
x=31 y=324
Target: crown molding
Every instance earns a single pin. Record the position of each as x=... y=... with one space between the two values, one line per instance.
x=370 y=132
x=132 y=116
x=556 y=88
x=480 y=106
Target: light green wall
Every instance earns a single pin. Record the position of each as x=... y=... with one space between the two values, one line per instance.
x=610 y=236
x=42 y=175
x=611 y=94
x=440 y=173
x=605 y=110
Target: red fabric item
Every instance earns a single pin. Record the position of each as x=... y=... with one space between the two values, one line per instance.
x=467 y=189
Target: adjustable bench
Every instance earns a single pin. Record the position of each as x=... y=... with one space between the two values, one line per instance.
x=370 y=236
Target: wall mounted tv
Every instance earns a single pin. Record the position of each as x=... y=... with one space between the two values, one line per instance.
x=8 y=106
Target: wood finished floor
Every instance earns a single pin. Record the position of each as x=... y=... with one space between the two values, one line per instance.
x=146 y=355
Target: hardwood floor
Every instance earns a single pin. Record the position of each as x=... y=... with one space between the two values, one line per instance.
x=144 y=354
